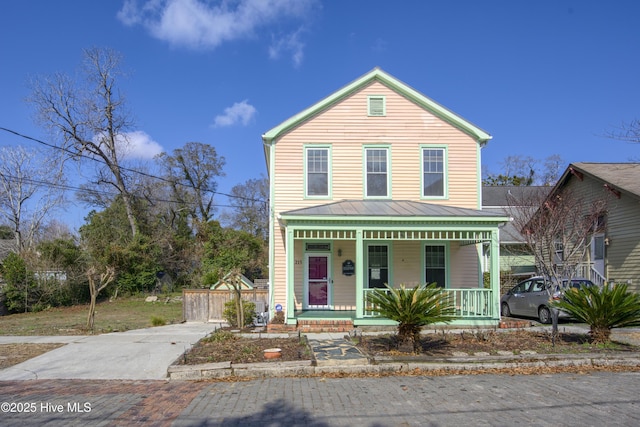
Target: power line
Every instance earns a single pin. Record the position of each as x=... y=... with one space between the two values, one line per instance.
x=10 y=178
x=122 y=168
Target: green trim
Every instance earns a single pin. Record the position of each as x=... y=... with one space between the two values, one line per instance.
x=366 y=147
x=447 y=260
x=375 y=321
x=445 y=161
x=479 y=176
x=380 y=76
x=305 y=149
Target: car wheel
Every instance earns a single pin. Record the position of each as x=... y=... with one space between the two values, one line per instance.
x=544 y=315
x=505 y=310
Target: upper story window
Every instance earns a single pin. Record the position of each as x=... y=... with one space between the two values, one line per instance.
x=377 y=172
x=377 y=105
x=433 y=172
x=317 y=171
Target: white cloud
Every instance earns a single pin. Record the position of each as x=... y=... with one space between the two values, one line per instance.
x=239 y=112
x=136 y=145
x=290 y=43
x=201 y=24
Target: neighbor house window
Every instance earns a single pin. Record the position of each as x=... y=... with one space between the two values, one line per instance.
x=433 y=172
x=377 y=172
x=318 y=178
x=435 y=265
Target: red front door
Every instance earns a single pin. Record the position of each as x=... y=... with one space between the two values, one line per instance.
x=318 y=280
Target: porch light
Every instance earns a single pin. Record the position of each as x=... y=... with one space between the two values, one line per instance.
x=339 y=252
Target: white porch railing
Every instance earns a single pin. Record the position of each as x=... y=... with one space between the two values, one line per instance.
x=468 y=303
x=587 y=271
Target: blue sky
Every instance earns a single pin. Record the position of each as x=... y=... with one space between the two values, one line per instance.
x=542 y=77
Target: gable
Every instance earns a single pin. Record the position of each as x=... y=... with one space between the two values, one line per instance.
x=379 y=76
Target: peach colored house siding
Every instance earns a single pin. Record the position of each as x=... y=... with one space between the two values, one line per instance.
x=347 y=129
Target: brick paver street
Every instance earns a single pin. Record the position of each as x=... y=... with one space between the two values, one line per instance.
x=595 y=399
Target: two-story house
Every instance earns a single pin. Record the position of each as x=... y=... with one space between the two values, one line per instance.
x=376 y=184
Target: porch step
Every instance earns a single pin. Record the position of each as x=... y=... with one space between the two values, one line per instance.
x=507 y=323
x=310 y=325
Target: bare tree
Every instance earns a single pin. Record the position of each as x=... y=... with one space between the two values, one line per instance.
x=250 y=211
x=628 y=132
x=30 y=190
x=103 y=280
x=88 y=118
x=192 y=172
x=518 y=170
x=557 y=228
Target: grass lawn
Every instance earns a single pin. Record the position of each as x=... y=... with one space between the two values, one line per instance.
x=120 y=315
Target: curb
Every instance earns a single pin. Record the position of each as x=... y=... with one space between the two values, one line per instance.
x=389 y=366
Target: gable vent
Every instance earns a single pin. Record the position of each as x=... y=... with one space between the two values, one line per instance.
x=377 y=106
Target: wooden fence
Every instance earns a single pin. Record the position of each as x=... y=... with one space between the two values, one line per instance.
x=205 y=305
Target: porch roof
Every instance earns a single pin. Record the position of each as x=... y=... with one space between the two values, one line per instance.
x=384 y=209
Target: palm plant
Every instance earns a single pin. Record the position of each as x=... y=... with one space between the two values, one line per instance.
x=602 y=308
x=412 y=308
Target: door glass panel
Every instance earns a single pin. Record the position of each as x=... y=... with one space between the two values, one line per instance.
x=318 y=281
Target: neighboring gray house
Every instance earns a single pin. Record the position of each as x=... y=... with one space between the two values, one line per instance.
x=516 y=259
x=614 y=255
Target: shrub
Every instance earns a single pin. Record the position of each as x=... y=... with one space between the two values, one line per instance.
x=278 y=318
x=602 y=308
x=229 y=313
x=413 y=309
x=158 y=321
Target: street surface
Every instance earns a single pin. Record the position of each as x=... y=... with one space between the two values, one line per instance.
x=598 y=399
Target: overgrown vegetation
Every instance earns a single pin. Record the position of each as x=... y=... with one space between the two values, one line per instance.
x=155 y=225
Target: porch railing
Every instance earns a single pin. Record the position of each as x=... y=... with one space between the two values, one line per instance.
x=468 y=303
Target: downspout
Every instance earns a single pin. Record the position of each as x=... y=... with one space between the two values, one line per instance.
x=269 y=144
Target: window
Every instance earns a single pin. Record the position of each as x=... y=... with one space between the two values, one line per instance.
x=376 y=105
x=317 y=172
x=377 y=266
x=435 y=265
x=433 y=172
x=376 y=176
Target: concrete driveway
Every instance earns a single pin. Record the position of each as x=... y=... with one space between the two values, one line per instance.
x=141 y=354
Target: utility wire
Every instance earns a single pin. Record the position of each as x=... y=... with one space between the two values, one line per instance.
x=10 y=178
x=122 y=168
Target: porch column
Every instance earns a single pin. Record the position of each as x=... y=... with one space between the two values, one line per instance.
x=495 y=272
x=290 y=266
x=359 y=272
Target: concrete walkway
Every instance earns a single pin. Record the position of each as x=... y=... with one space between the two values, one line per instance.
x=133 y=355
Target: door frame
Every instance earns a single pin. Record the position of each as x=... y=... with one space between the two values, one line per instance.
x=306 y=305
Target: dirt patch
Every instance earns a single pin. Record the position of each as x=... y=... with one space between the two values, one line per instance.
x=12 y=354
x=224 y=346
x=490 y=342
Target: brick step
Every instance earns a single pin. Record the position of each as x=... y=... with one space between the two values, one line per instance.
x=310 y=325
x=513 y=323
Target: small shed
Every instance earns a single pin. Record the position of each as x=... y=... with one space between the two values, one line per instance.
x=223 y=284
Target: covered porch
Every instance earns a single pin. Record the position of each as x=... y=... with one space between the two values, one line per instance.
x=338 y=254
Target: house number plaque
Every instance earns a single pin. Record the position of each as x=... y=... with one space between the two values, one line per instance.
x=348 y=268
